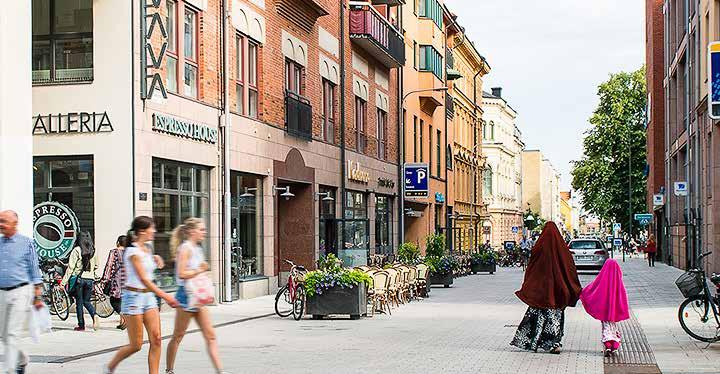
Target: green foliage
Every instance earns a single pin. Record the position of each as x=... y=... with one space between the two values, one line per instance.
x=616 y=140
x=435 y=245
x=409 y=254
x=441 y=265
x=329 y=263
x=484 y=257
x=319 y=281
x=537 y=223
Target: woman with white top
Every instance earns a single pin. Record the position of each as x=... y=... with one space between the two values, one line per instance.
x=83 y=267
x=189 y=263
x=139 y=305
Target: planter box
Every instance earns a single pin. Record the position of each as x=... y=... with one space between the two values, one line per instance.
x=337 y=300
x=444 y=280
x=481 y=268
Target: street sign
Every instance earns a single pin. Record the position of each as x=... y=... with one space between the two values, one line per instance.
x=617 y=242
x=617 y=227
x=515 y=230
x=609 y=238
x=681 y=189
x=416 y=180
x=643 y=216
x=714 y=80
x=658 y=199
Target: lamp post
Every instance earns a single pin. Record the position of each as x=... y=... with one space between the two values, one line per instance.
x=401 y=168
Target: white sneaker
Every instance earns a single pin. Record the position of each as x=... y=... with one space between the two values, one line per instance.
x=106 y=370
x=96 y=323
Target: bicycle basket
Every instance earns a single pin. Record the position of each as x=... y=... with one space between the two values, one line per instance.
x=690 y=284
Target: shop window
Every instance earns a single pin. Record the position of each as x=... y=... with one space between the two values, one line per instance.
x=354 y=252
x=246 y=225
x=328 y=221
x=382 y=134
x=62 y=37
x=360 y=118
x=68 y=181
x=328 y=111
x=179 y=191
x=383 y=225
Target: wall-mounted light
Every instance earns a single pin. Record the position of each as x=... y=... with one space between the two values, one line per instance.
x=287 y=194
x=325 y=196
x=248 y=193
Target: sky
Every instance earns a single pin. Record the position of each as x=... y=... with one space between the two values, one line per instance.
x=549 y=57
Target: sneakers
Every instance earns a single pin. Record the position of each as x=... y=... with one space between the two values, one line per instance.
x=96 y=322
x=78 y=328
x=169 y=371
x=608 y=352
x=21 y=368
x=106 y=370
x=556 y=350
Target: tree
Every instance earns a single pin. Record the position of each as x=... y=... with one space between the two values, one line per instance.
x=614 y=150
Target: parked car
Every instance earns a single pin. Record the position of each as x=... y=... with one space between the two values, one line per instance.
x=588 y=253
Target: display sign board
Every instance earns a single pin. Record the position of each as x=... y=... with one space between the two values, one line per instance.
x=617 y=242
x=617 y=227
x=658 y=199
x=515 y=229
x=681 y=189
x=714 y=80
x=55 y=229
x=643 y=217
x=416 y=180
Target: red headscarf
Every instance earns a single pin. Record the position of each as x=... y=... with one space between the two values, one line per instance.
x=551 y=280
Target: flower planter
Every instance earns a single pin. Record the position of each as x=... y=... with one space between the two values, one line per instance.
x=484 y=268
x=338 y=300
x=444 y=280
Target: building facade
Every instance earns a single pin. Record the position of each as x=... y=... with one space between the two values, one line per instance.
x=566 y=212
x=502 y=174
x=540 y=186
x=280 y=128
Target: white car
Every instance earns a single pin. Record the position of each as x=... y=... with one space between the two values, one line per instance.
x=588 y=253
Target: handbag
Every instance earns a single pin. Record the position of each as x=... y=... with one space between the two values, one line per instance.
x=200 y=291
x=73 y=281
x=40 y=322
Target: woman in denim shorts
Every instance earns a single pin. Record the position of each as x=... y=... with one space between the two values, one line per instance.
x=189 y=263
x=139 y=305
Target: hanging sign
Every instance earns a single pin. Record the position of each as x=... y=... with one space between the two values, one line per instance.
x=150 y=63
x=681 y=189
x=416 y=180
x=658 y=200
x=55 y=229
x=714 y=80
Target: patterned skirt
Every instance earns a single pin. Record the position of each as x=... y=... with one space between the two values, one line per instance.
x=540 y=329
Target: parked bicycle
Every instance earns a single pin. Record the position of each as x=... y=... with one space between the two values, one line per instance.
x=290 y=299
x=100 y=301
x=699 y=314
x=55 y=295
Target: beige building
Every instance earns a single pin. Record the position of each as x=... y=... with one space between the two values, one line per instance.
x=502 y=176
x=540 y=186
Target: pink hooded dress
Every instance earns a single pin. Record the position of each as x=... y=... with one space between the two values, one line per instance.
x=605 y=298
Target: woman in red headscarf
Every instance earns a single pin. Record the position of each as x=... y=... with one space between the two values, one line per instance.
x=551 y=284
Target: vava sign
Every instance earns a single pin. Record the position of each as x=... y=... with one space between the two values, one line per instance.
x=55 y=229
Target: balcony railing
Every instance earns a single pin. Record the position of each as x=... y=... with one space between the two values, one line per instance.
x=376 y=35
x=298 y=115
x=449 y=106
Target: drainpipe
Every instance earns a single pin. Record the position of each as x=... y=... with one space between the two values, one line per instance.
x=343 y=198
x=132 y=100
x=476 y=149
x=225 y=124
x=401 y=158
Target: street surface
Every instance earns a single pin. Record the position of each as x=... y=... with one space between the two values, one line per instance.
x=464 y=329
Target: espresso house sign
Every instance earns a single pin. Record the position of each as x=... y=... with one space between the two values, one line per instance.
x=356 y=174
x=174 y=126
x=72 y=122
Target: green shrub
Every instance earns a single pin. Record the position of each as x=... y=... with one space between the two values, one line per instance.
x=409 y=254
x=435 y=245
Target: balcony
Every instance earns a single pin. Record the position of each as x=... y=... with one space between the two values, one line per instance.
x=298 y=116
x=388 y=2
x=371 y=31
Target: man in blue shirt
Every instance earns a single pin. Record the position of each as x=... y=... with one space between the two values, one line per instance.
x=20 y=279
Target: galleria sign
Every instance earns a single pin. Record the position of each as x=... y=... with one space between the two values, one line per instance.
x=73 y=122
x=194 y=131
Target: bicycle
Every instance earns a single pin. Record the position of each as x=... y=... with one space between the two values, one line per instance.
x=290 y=299
x=694 y=313
x=54 y=295
x=100 y=301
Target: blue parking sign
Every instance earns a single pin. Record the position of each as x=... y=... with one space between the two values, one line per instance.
x=416 y=180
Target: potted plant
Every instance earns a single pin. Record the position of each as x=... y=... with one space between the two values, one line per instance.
x=333 y=289
x=441 y=270
x=484 y=261
x=409 y=254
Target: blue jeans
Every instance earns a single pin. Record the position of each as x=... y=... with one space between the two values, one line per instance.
x=83 y=293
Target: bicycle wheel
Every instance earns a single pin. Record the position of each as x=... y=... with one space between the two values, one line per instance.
x=283 y=304
x=101 y=302
x=299 y=303
x=698 y=320
x=60 y=302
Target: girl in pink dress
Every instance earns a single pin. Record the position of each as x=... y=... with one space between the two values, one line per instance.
x=605 y=299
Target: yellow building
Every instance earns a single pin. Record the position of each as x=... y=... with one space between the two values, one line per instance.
x=566 y=212
x=467 y=159
x=540 y=186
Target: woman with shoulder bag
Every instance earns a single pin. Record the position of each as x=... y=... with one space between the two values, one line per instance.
x=80 y=279
x=112 y=277
x=190 y=267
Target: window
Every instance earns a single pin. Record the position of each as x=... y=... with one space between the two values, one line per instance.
x=492 y=130
x=246 y=73
x=438 y=146
x=449 y=157
x=431 y=9
x=383 y=225
x=488 y=182
x=240 y=74
x=246 y=225
x=360 y=117
x=438 y=218
x=294 y=74
x=253 y=95
x=328 y=221
x=484 y=130
x=328 y=111
x=422 y=130
x=431 y=60
x=382 y=134
x=415 y=55
x=69 y=181
x=415 y=139
x=172 y=51
x=430 y=149
x=357 y=230
x=190 y=37
x=62 y=40
x=179 y=191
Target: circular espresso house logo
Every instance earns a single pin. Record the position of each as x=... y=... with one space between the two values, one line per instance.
x=55 y=228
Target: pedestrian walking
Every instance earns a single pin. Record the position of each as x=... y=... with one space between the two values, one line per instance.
x=80 y=277
x=138 y=304
x=20 y=287
x=551 y=284
x=189 y=264
x=113 y=277
x=651 y=250
x=605 y=299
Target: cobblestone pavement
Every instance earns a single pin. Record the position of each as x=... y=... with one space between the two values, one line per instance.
x=464 y=329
